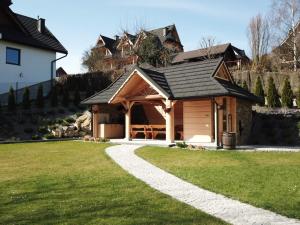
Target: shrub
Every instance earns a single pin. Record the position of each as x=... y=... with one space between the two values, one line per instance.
x=272 y=95
x=26 y=99
x=259 y=90
x=181 y=145
x=287 y=94
x=245 y=86
x=49 y=136
x=40 y=97
x=11 y=100
x=59 y=121
x=43 y=130
x=53 y=97
x=76 y=98
x=298 y=98
x=70 y=120
x=35 y=137
x=66 y=98
x=61 y=111
x=28 y=130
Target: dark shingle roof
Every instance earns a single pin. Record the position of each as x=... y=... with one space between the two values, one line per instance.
x=31 y=36
x=199 y=53
x=183 y=81
x=159 y=32
x=109 y=43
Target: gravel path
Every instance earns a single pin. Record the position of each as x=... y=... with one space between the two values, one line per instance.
x=229 y=210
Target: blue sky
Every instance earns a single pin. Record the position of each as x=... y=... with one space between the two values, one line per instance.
x=77 y=24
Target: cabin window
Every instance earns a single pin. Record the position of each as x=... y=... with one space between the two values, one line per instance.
x=13 y=56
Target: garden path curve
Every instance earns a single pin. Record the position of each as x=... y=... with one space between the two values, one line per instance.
x=231 y=211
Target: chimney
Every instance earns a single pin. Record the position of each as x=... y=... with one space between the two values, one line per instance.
x=41 y=25
x=117 y=37
x=165 y=32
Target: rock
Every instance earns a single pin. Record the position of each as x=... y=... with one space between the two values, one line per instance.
x=84 y=122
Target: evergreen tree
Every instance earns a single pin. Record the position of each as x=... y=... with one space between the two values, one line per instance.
x=245 y=86
x=11 y=99
x=272 y=95
x=76 y=98
x=287 y=94
x=259 y=90
x=66 y=97
x=298 y=98
x=40 y=97
x=54 y=97
x=26 y=99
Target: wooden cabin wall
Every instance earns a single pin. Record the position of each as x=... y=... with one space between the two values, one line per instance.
x=197 y=121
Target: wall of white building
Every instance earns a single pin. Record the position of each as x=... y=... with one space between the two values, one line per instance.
x=35 y=67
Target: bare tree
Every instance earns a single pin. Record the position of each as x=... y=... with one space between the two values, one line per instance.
x=259 y=37
x=207 y=43
x=286 y=14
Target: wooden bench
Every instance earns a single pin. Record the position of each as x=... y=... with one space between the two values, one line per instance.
x=157 y=129
x=140 y=129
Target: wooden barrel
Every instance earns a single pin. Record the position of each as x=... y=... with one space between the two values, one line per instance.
x=229 y=140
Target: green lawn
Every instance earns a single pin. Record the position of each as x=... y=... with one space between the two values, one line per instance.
x=76 y=183
x=265 y=179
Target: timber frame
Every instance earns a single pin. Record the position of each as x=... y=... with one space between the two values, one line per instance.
x=175 y=104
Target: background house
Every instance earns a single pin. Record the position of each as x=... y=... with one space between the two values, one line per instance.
x=121 y=51
x=27 y=50
x=232 y=55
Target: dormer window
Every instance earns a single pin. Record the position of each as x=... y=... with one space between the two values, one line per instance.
x=13 y=56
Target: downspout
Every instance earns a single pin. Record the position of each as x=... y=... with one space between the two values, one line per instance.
x=52 y=63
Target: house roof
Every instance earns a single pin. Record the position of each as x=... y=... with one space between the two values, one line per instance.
x=183 y=81
x=159 y=32
x=26 y=32
x=109 y=43
x=199 y=53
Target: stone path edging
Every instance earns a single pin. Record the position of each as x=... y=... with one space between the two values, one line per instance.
x=231 y=211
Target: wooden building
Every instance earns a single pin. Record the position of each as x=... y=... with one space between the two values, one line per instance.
x=194 y=102
x=121 y=51
x=232 y=55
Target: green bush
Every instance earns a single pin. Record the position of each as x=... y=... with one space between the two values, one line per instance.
x=11 y=100
x=61 y=111
x=181 y=145
x=49 y=136
x=54 y=97
x=43 y=130
x=59 y=121
x=287 y=94
x=70 y=120
x=40 y=97
x=66 y=98
x=272 y=95
x=298 y=98
x=26 y=99
x=35 y=137
x=245 y=85
x=28 y=130
x=76 y=98
x=259 y=90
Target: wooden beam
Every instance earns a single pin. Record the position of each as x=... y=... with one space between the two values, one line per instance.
x=141 y=98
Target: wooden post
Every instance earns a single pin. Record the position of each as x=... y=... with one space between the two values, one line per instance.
x=95 y=122
x=128 y=106
x=169 y=122
x=216 y=118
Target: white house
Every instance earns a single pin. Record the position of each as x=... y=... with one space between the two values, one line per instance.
x=27 y=50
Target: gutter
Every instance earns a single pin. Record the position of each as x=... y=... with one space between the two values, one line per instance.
x=52 y=63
